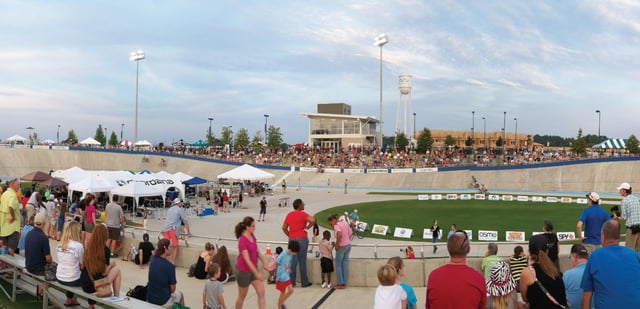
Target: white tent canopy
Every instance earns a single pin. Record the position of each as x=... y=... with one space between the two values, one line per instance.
x=89 y=141
x=142 y=143
x=16 y=138
x=246 y=172
x=92 y=184
x=136 y=190
x=182 y=176
x=70 y=175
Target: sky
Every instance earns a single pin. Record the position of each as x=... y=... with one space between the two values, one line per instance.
x=550 y=64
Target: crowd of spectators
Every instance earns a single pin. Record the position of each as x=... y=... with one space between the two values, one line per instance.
x=373 y=157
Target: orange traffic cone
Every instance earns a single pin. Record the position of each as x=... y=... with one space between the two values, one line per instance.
x=268 y=252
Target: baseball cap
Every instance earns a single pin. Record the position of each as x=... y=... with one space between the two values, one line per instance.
x=578 y=248
x=594 y=197
x=177 y=200
x=624 y=185
x=39 y=219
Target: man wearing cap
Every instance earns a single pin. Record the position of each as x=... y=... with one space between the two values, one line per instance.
x=456 y=285
x=10 y=217
x=37 y=252
x=176 y=217
x=593 y=217
x=611 y=273
x=573 y=277
x=630 y=213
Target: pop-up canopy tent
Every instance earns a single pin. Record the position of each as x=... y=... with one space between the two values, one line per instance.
x=92 y=184
x=246 y=172
x=136 y=190
x=612 y=143
x=90 y=141
x=17 y=138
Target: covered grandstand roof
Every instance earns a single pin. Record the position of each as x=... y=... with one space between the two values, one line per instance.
x=612 y=143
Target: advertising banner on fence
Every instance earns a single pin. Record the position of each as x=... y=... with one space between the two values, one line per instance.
x=494 y=197
x=361 y=226
x=537 y=199
x=452 y=196
x=581 y=200
x=488 y=235
x=564 y=236
x=353 y=171
x=465 y=197
x=402 y=232
x=308 y=169
x=479 y=196
x=436 y=197
x=523 y=198
x=426 y=234
x=552 y=199
x=426 y=170
x=508 y=198
x=566 y=200
x=423 y=197
x=401 y=170
x=469 y=234
x=380 y=229
x=332 y=170
x=514 y=236
x=377 y=171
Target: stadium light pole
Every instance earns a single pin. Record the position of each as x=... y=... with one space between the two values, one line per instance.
x=136 y=56
x=58 y=135
x=209 y=138
x=504 y=130
x=598 y=112
x=516 y=134
x=473 y=127
x=121 y=131
x=380 y=41
x=266 y=116
x=484 y=119
x=415 y=136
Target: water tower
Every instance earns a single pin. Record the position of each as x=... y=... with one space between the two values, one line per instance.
x=405 y=108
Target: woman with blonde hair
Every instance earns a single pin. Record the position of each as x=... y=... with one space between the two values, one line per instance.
x=97 y=263
x=398 y=264
x=70 y=252
x=541 y=283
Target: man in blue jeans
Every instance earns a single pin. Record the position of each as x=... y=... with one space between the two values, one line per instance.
x=343 y=248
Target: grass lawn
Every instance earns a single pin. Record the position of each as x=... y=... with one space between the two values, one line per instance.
x=473 y=215
x=23 y=300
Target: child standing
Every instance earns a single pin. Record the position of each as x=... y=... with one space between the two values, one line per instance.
x=273 y=266
x=326 y=261
x=389 y=295
x=283 y=279
x=212 y=295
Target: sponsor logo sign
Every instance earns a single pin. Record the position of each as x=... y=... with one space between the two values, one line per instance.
x=426 y=170
x=488 y=235
x=563 y=236
x=402 y=170
x=469 y=234
x=426 y=234
x=465 y=197
x=581 y=200
x=537 y=199
x=361 y=226
x=402 y=232
x=452 y=196
x=566 y=200
x=332 y=170
x=514 y=236
x=523 y=198
x=380 y=229
x=479 y=196
x=308 y=169
x=508 y=198
x=353 y=171
x=377 y=171
x=436 y=197
x=494 y=197
x=552 y=199
x=423 y=197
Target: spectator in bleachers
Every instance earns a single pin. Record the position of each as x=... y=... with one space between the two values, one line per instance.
x=573 y=277
x=490 y=258
x=518 y=261
x=70 y=252
x=501 y=287
x=161 y=287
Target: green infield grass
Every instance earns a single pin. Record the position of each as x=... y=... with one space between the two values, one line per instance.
x=472 y=215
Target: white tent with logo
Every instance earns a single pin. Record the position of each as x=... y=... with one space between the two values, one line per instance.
x=136 y=190
x=92 y=184
x=246 y=172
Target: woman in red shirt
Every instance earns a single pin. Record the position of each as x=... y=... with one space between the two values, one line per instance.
x=295 y=226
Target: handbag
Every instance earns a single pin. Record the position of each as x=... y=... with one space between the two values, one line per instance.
x=102 y=286
x=50 y=271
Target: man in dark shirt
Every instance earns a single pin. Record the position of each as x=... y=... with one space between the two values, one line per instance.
x=37 y=250
x=145 y=249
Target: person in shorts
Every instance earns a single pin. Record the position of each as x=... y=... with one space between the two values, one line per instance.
x=176 y=217
x=263 y=208
x=283 y=278
x=326 y=259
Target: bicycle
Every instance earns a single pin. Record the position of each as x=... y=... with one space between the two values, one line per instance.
x=357 y=229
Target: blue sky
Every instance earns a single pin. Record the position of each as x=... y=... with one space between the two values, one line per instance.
x=551 y=64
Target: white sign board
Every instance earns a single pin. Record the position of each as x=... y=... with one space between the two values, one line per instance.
x=426 y=234
x=401 y=170
x=451 y=196
x=480 y=196
x=423 y=197
x=402 y=232
x=377 y=171
x=436 y=197
x=523 y=198
x=361 y=226
x=537 y=199
x=469 y=234
x=581 y=200
x=465 y=197
x=566 y=200
x=353 y=171
x=426 y=170
x=514 y=236
x=488 y=235
x=564 y=236
x=494 y=197
x=552 y=199
x=380 y=229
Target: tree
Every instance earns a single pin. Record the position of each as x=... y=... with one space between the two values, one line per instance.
x=274 y=137
x=242 y=137
x=72 y=139
x=211 y=139
x=113 y=139
x=450 y=141
x=499 y=142
x=100 y=137
x=225 y=136
x=580 y=145
x=633 y=144
x=401 y=141
x=424 y=141
x=258 y=138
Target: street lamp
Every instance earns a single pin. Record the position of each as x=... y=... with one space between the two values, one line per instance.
x=209 y=138
x=598 y=111
x=136 y=56
x=58 y=135
x=121 y=130
x=106 y=139
x=380 y=41
x=473 y=127
x=265 y=128
x=484 y=119
x=414 y=127
x=504 y=130
x=516 y=134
